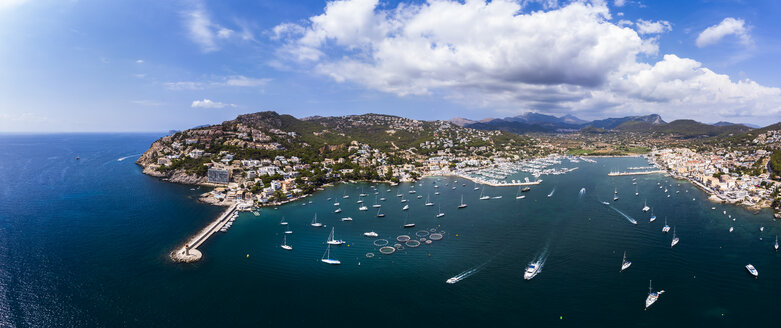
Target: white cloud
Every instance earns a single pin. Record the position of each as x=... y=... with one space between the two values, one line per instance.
x=650 y=27
x=10 y=3
x=243 y=81
x=148 y=103
x=139 y=61
x=494 y=54
x=619 y=3
x=728 y=26
x=206 y=103
x=184 y=85
x=226 y=81
x=203 y=31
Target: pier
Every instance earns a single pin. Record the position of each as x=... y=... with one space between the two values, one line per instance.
x=615 y=174
x=189 y=251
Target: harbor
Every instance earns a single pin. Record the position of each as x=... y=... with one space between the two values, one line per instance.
x=189 y=251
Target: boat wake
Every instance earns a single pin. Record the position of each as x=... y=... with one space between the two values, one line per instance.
x=468 y=273
x=582 y=192
x=551 y=192
x=126 y=157
x=628 y=218
x=539 y=261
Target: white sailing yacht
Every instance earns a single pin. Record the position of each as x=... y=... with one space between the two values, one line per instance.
x=653 y=217
x=283 y=222
x=462 y=205
x=380 y=214
x=315 y=223
x=636 y=193
x=440 y=213
x=428 y=202
x=332 y=241
x=615 y=195
x=406 y=207
x=518 y=194
x=370 y=234
x=363 y=208
x=675 y=239
x=407 y=225
x=327 y=257
x=376 y=205
x=484 y=197
x=652 y=296
x=645 y=206
x=285 y=245
x=624 y=263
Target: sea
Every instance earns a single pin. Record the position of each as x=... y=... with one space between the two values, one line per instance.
x=86 y=243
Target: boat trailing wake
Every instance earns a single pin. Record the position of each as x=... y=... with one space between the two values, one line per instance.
x=628 y=218
x=540 y=261
x=126 y=157
x=582 y=192
x=468 y=273
x=551 y=192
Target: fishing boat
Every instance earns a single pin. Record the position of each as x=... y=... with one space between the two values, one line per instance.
x=753 y=271
x=440 y=213
x=327 y=257
x=675 y=239
x=645 y=207
x=652 y=296
x=462 y=205
x=484 y=197
x=332 y=241
x=370 y=234
x=531 y=270
x=624 y=263
x=315 y=223
x=380 y=214
x=285 y=245
x=428 y=202
x=666 y=227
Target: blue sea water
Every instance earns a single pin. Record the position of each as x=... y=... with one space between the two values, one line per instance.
x=85 y=243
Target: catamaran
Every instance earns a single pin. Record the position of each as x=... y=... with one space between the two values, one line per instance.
x=675 y=239
x=440 y=213
x=462 y=205
x=327 y=257
x=652 y=296
x=332 y=241
x=624 y=263
x=645 y=207
x=753 y=271
x=666 y=227
x=428 y=202
x=285 y=245
x=315 y=223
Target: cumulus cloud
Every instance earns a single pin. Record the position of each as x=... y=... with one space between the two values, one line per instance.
x=206 y=103
x=650 y=27
x=208 y=34
x=619 y=3
x=225 y=81
x=494 y=54
x=728 y=26
x=243 y=81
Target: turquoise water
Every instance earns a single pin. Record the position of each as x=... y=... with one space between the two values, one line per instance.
x=85 y=243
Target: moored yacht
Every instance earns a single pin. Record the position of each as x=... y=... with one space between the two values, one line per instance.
x=675 y=239
x=332 y=241
x=666 y=227
x=363 y=208
x=285 y=245
x=484 y=197
x=753 y=271
x=428 y=202
x=315 y=223
x=462 y=205
x=731 y=229
x=645 y=207
x=624 y=263
x=652 y=296
x=440 y=213
x=653 y=217
x=776 y=245
x=347 y=219
x=327 y=257
x=406 y=207
x=370 y=234
x=338 y=210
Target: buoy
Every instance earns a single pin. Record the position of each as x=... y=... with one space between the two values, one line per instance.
x=561 y=317
x=429 y=254
x=247 y=255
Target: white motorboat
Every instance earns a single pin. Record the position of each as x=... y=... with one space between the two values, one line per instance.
x=363 y=208
x=327 y=257
x=315 y=223
x=645 y=207
x=731 y=229
x=753 y=271
x=336 y=204
x=532 y=270
x=605 y=203
x=652 y=296
x=370 y=234
x=761 y=229
x=624 y=263
x=452 y=280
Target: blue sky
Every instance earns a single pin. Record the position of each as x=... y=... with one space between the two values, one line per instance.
x=158 y=65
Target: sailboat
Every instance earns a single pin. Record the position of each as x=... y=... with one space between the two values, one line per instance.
x=653 y=217
x=636 y=193
x=376 y=205
x=476 y=186
x=440 y=213
x=283 y=222
x=407 y=225
x=624 y=263
x=731 y=229
x=363 y=208
x=645 y=207
x=338 y=210
x=428 y=202
x=615 y=195
x=666 y=227
x=518 y=194
x=462 y=205
x=315 y=223
x=776 y=245
x=379 y=214
x=285 y=245
x=675 y=239
x=327 y=257
x=484 y=197
x=332 y=241
x=652 y=296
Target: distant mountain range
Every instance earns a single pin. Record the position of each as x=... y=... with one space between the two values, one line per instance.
x=536 y=122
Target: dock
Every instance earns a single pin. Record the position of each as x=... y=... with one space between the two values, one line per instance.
x=616 y=174
x=189 y=251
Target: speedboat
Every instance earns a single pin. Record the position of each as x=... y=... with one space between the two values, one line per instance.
x=452 y=280
x=652 y=296
x=753 y=271
x=605 y=203
x=531 y=270
x=370 y=234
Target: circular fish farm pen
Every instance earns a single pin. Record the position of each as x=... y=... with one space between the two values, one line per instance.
x=403 y=238
x=398 y=246
x=421 y=233
x=369 y=255
x=412 y=243
x=387 y=250
x=433 y=230
x=423 y=240
x=381 y=242
x=435 y=236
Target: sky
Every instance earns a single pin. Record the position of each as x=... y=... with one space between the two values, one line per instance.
x=123 y=66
